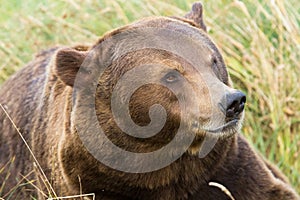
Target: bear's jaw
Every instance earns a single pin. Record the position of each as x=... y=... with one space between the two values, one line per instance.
x=221 y=130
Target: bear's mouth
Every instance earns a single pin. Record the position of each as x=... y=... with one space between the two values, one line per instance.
x=227 y=129
x=224 y=131
x=228 y=126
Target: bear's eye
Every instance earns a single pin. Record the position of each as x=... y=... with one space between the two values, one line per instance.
x=215 y=61
x=171 y=77
x=215 y=66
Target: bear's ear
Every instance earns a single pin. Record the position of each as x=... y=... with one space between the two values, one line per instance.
x=196 y=15
x=67 y=64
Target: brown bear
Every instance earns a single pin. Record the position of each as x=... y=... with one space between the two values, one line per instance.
x=148 y=112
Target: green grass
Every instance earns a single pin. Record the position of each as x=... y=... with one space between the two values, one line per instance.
x=260 y=42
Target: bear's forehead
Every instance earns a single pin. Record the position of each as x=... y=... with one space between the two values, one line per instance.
x=179 y=25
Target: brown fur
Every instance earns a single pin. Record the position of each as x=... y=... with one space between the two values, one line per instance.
x=39 y=99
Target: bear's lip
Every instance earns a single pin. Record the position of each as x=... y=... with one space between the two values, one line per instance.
x=228 y=128
x=225 y=127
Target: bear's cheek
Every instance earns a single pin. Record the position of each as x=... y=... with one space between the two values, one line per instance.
x=145 y=97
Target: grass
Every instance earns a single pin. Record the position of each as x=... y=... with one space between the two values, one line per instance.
x=259 y=39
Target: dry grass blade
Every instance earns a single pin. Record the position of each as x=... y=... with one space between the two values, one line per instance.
x=45 y=179
x=74 y=196
x=32 y=183
x=223 y=188
x=18 y=185
x=7 y=165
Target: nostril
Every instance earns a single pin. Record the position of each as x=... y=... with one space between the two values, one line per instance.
x=242 y=104
x=243 y=99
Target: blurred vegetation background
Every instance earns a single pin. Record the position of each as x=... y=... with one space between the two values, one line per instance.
x=259 y=39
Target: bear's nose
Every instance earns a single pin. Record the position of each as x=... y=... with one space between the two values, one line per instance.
x=235 y=103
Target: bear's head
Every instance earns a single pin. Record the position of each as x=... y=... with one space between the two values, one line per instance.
x=159 y=83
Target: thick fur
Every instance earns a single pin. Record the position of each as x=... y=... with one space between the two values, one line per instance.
x=39 y=100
